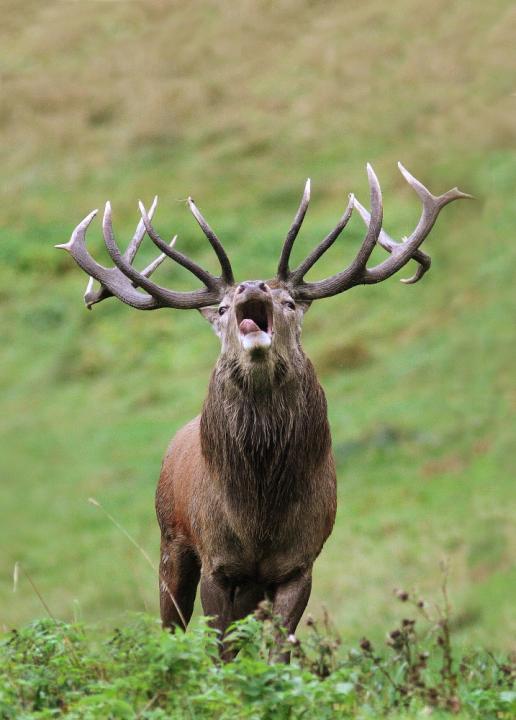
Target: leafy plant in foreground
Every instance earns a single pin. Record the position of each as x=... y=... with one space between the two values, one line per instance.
x=51 y=669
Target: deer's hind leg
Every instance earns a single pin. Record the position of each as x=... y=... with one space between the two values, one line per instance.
x=179 y=571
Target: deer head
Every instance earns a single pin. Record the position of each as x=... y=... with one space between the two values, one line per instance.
x=257 y=321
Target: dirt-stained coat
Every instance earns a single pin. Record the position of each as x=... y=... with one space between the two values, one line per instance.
x=247 y=496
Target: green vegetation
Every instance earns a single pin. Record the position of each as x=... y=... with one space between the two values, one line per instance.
x=237 y=104
x=50 y=669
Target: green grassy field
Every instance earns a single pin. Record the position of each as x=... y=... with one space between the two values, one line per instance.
x=237 y=104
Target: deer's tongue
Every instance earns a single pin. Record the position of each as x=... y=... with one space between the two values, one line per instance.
x=248 y=326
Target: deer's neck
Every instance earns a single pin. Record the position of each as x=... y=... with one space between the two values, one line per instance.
x=262 y=435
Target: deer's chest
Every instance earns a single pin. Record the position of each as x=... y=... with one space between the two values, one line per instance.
x=266 y=542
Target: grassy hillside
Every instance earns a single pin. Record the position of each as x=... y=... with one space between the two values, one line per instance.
x=237 y=104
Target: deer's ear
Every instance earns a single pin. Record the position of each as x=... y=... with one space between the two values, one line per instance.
x=212 y=316
x=210 y=313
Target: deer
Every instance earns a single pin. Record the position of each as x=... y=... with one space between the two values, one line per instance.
x=246 y=497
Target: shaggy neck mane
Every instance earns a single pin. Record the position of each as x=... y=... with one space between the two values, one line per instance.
x=263 y=431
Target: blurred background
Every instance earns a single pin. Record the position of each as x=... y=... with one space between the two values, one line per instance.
x=236 y=104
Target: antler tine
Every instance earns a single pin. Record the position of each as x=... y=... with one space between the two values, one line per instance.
x=351 y=275
x=426 y=195
x=283 y=270
x=110 y=278
x=401 y=254
x=167 y=298
x=390 y=245
x=204 y=276
x=298 y=274
x=92 y=296
x=154 y=265
x=139 y=234
x=225 y=265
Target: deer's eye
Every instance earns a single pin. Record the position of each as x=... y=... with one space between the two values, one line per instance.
x=222 y=309
x=291 y=305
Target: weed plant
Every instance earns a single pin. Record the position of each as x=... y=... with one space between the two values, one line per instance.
x=53 y=669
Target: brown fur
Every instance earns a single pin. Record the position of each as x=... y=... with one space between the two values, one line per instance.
x=246 y=496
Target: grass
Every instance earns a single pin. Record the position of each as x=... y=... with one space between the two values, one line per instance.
x=237 y=106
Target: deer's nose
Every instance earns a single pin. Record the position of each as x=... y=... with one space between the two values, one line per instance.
x=252 y=285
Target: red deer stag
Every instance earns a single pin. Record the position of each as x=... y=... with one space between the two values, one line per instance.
x=246 y=496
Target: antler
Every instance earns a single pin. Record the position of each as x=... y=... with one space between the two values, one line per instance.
x=91 y=296
x=123 y=280
x=390 y=245
x=358 y=273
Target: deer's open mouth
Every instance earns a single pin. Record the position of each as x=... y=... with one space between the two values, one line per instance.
x=254 y=320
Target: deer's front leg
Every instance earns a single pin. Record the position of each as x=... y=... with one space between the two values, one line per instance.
x=179 y=572
x=290 y=600
x=217 y=602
